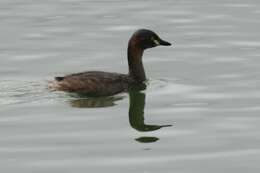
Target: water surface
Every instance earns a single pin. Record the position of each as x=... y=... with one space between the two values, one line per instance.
x=199 y=113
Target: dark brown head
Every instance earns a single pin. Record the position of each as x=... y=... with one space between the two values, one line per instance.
x=142 y=39
x=145 y=39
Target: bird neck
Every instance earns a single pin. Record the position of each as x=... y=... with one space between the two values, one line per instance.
x=135 y=64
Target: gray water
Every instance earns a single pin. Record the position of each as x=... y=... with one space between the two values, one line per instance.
x=206 y=86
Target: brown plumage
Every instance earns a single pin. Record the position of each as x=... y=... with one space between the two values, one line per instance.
x=94 y=83
x=98 y=83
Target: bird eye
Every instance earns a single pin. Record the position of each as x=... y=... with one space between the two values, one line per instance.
x=155 y=41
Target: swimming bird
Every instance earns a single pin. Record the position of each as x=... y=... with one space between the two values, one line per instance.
x=99 y=83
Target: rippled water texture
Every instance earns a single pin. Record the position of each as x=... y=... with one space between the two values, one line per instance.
x=199 y=113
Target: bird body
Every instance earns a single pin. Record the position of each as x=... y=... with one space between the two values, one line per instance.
x=93 y=83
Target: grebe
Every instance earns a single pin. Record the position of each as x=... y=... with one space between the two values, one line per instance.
x=99 y=83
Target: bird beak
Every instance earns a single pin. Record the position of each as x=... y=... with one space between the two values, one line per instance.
x=164 y=43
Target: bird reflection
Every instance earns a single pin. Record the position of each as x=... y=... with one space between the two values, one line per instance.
x=136 y=109
x=95 y=102
x=147 y=139
x=136 y=112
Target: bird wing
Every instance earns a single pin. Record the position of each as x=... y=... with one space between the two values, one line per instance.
x=96 y=83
